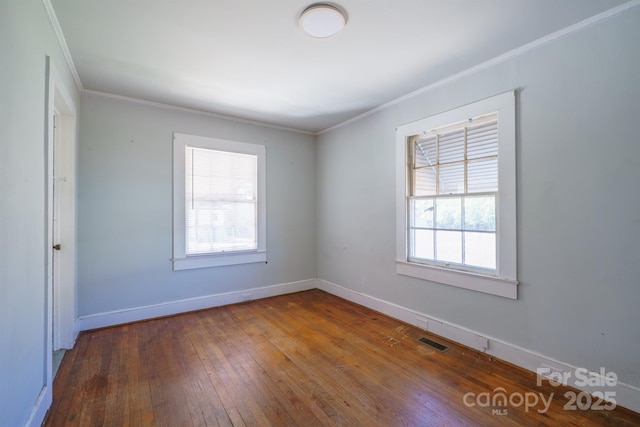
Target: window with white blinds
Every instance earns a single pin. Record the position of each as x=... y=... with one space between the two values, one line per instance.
x=219 y=215
x=220 y=201
x=456 y=197
x=454 y=187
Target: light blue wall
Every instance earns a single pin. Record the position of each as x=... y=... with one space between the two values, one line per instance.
x=26 y=37
x=578 y=180
x=125 y=207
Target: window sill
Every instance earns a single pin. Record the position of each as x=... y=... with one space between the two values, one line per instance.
x=204 y=261
x=506 y=288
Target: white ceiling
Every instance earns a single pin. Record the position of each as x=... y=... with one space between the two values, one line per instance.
x=248 y=59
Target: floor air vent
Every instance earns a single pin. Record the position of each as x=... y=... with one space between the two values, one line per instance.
x=436 y=345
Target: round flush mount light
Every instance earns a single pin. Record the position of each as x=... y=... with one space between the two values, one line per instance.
x=322 y=20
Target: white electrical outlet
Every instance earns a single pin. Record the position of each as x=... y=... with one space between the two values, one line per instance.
x=422 y=323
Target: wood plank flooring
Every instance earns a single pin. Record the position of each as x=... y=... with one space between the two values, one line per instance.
x=304 y=359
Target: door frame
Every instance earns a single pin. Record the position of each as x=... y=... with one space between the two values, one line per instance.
x=61 y=282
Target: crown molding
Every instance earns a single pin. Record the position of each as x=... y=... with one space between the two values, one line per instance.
x=53 y=19
x=469 y=71
x=173 y=107
x=496 y=60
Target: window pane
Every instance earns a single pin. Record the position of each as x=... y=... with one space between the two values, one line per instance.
x=452 y=179
x=480 y=249
x=220 y=201
x=220 y=175
x=422 y=213
x=424 y=182
x=451 y=147
x=422 y=244
x=480 y=213
x=482 y=176
x=221 y=226
x=449 y=213
x=482 y=140
x=449 y=246
x=425 y=152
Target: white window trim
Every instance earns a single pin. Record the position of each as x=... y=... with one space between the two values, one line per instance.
x=505 y=282
x=182 y=261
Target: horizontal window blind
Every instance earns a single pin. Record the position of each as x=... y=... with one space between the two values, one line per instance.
x=220 y=201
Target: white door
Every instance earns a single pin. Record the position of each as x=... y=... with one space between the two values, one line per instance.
x=63 y=263
x=56 y=237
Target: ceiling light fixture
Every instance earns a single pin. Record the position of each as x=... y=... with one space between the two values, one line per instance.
x=322 y=20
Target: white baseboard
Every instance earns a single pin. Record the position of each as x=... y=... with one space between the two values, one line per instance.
x=40 y=408
x=102 y=320
x=626 y=395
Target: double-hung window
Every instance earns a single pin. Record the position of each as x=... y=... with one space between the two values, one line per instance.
x=452 y=195
x=219 y=202
x=456 y=197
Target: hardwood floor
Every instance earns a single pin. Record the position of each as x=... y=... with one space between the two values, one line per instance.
x=305 y=359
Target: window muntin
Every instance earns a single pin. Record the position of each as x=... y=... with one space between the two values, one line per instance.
x=453 y=177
